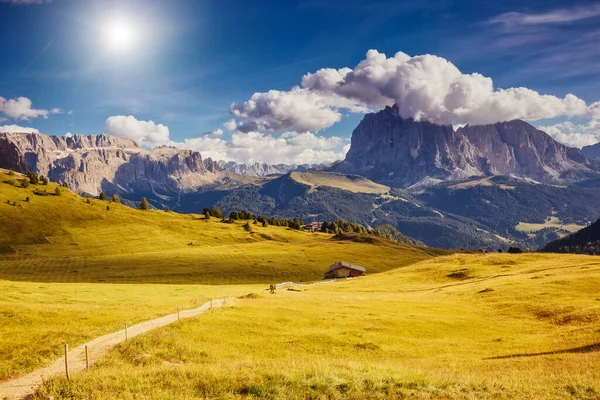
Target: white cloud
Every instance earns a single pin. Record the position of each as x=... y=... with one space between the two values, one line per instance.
x=425 y=87
x=17 y=129
x=145 y=133
x=552 y=17
x=288 y=148
x=230 y=125
x=20 y=108
x=243 y=147
x=432 y=88
x=575 y=135
x=299 y=109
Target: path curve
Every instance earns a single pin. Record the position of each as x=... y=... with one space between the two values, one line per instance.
x=25 y=386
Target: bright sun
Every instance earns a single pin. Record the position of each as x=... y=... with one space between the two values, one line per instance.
x=121 y=35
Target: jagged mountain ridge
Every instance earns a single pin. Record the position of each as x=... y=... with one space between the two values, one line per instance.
x=262 y=169
x=94 y=163
x=402 y=152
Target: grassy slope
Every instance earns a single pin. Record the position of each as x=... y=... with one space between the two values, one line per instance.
x=410 y=332
x=353 y=183
x=50 y=245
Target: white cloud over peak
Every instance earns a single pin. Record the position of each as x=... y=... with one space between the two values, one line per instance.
x=300 y=109
x=145 y=133
x=425 y=87
x=17 y=129
x=21 y=108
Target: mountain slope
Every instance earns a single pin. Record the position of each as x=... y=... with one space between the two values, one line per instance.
x=592 y=151
x=403 y=152
x=584 y=241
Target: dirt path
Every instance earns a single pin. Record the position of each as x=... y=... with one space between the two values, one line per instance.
x=25 y=386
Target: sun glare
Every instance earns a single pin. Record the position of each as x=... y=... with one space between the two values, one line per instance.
x=121 y=35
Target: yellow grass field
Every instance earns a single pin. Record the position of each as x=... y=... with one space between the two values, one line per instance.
x=71 y=271
x=422 y=324
x=455 y=327
x=352 y=183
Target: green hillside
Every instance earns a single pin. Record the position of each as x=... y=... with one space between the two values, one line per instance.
x=68 y=238
x=73 y=268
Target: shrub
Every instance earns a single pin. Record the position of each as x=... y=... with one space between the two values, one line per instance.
x=265 y=223
x=115 y=199
x=57 y=191
x=144 y=205
x=10 y=182
x=33 y=178
x=514 y=250
x=206 y=214
x=43 y=180
x=65 y=185
x=107 y=208
x=24 y=183
x=248 y=227
x=27 y=199
x=102 y=196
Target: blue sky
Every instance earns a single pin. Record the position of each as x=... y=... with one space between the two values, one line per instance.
x=192 y=59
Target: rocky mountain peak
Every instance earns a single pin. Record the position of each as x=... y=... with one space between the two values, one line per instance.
x=388 y=148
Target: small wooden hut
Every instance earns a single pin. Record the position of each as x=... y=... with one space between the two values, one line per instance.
x=343 y=269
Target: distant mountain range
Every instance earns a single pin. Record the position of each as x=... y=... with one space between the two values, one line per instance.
x=487 y=186
x=263 y=169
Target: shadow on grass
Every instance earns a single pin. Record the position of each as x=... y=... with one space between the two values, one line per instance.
x=584 y=349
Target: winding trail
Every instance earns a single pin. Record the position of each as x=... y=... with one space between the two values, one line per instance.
x=25 y=386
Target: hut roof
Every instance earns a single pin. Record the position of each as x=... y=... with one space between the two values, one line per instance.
x=342 y=264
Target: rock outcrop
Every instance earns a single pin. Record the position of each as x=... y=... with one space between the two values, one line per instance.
x=402 y=152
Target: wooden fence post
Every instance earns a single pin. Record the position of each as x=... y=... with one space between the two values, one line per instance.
x=87 y=359
x=67 y=361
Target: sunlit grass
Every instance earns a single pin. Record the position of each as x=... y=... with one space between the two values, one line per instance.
x=420 y=331
x=71 y=270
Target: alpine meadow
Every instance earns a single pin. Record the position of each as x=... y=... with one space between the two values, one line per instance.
x=299 y=200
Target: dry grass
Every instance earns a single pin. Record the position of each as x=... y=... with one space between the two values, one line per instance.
x=353 y=183
x=72 y=270
x=413 y=332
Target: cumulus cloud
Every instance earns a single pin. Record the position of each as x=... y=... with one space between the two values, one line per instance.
x=17 y=129
x=145 y=133
x=575 y=135
x=21 y=108
x=300 y=108
x=424 y=87
x=230 y=125
x=287 y=148
x=243 y=147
